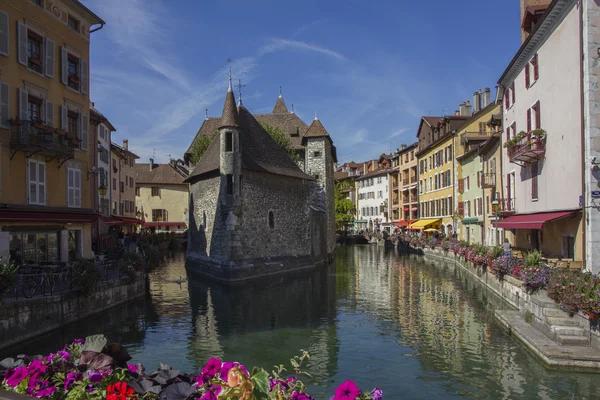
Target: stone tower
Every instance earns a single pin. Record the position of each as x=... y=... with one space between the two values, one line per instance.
x=320 y=157
x=230 y=166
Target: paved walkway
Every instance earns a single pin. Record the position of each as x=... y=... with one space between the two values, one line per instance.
x=552 y=353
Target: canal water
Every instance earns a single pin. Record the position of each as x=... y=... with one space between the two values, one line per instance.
x=418 y=330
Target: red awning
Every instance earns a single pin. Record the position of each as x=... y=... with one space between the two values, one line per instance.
x=111 y=221
x=157 y=224
x=531 y=221
x=42 y=216
x=405 y=223
x=129 y=220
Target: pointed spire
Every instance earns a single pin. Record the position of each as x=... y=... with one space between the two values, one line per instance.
x=280 y=95
x=239 y=86
x=316 y=118
x=316 y=129
x=280 y=107
x=230 y=85
x=293 y=112
x=206 y=114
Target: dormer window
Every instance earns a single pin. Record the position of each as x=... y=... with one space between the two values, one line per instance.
x=229 y=141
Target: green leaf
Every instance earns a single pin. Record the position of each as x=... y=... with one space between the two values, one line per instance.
x=94 y=343
x=260 y=378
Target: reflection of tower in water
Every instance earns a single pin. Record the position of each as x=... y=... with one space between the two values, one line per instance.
x=207 y=335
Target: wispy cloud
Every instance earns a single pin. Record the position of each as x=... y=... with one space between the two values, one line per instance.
x=296 y=45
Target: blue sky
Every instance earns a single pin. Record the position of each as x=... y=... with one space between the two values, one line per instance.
x=369 y=69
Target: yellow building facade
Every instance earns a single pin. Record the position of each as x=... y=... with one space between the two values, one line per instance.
x=436 y=171
x=45 y=148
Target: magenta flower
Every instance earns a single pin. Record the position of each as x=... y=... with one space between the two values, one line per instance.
x=71 y=378
x=46 y=392
x=209 y=396
x=16 y=376
x=97 y=376
x=132 y=368
x=377 y=394
x=212 y=367
x=347 y=391
x=63 y=354
x=78 y=341
x=300 y=396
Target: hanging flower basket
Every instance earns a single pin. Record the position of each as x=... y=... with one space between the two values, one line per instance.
x=60 y=132
x=39 y=124
x=73 y=79
x=15 y=122
x=72 y=135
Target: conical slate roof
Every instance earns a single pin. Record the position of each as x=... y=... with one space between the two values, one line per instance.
x=280 y=107
x=229 y=118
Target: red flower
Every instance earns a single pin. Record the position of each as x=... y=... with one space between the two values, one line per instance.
x=119 y=391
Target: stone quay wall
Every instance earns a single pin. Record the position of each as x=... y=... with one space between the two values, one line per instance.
x=23 y=319
x=513 y=292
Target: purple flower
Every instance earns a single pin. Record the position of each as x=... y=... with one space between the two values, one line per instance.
x=97 y=376
x=78 y=341
x=72 y=377
x=225 y=369
x=209 y=396
x=212 y=367
x=16 y=376
x=377 y=394
x=90 y=389
x=347 y=391
x=300 y=396
x=132 y=368
x=47 y=392
x=63 y=354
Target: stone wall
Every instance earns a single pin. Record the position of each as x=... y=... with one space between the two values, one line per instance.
x=203 y=207
x=26 y=318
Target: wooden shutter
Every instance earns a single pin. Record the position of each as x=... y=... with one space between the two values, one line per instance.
x=70 y=187
x=528 y=120
x=508 y=193
x=4 y=105
x=64 y=124
x=478 y=178
x=64 y=66
x=461 y=208
x=512 y=89
x=467 y=186
x=480 y=200
x=538 y=118
x=32 y=181
x=84 y=131
x=22 y=42
x=23 y=100
x=534 y=181
x=461 y=185
x=527 y=80
x=49 y=107
x=506 y=98
x=535 y=67
x=49 y=62
x=83 y=86
x=4 y=36
x=41 y=184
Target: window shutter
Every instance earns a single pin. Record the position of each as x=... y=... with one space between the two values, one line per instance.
x=84 y=76
x=467 y=184
x=84 y=131
x=535 y=67
x=64 y=66
x=461 y=208
x=478 y=178
x=22 y=42
x=70 y=187
x=49 y=106
x=41 y=182
x=538 y=117
x=528 y=120
x=77 y=191
x=49 y=65
x=512 y=89
x=508 y=193
x=4 y=36
x=461 y=185
x=4 y=105
x=534 y=181
x=32 y=179
x=506 y=98
x=527 y=80
x=63 y=118
x=23 y=100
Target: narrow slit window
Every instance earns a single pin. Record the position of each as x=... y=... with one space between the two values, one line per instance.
x=229 y=184
x=271 y=220
x=228 y=141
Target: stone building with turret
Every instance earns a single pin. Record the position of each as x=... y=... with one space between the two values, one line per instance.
x=253 y=210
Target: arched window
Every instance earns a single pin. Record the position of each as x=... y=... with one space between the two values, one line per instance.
x=271 y=220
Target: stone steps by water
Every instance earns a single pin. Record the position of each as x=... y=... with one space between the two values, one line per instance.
x=559 y=326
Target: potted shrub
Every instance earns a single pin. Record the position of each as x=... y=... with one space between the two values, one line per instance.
x=85 y=276
x=130 y=265
x=8 y=277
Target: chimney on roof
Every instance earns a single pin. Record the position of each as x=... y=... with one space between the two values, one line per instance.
x=487 y=97
x=465 y=108
x=476 y=102
x=403 y=146
x=151 y=164
x=126 y=144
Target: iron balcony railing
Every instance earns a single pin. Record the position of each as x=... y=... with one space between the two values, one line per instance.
x=489 y=180
x=529 y=149
x=37 y=138
x=506 y=205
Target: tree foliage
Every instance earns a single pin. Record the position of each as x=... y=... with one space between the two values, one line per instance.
x=199 y=146
x=344 y=208
x=282 y=139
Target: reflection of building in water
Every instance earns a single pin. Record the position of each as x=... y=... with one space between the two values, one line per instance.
x=290 y=312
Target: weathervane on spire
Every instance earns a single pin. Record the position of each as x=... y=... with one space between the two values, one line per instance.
x=293 y=112
x=206 y=114
x=240 y=86
x=280 y=95
x=316 y=115
x=230 y=85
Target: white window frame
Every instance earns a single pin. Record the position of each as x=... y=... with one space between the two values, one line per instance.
x=36 y=182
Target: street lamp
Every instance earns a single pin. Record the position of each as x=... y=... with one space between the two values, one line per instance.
x=102 y=190
x=496 y=210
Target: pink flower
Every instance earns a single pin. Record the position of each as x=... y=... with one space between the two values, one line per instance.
x=16 y=376
x=347 y=391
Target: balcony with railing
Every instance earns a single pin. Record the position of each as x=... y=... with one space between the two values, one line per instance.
x=527 y=147
x=488 y=180
x=479 y=135
x=35 y=137
x=505 y=206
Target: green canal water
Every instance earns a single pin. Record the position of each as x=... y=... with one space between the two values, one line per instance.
x=416 y=329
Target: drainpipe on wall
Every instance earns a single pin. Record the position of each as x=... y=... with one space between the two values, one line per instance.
x=583 y=141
